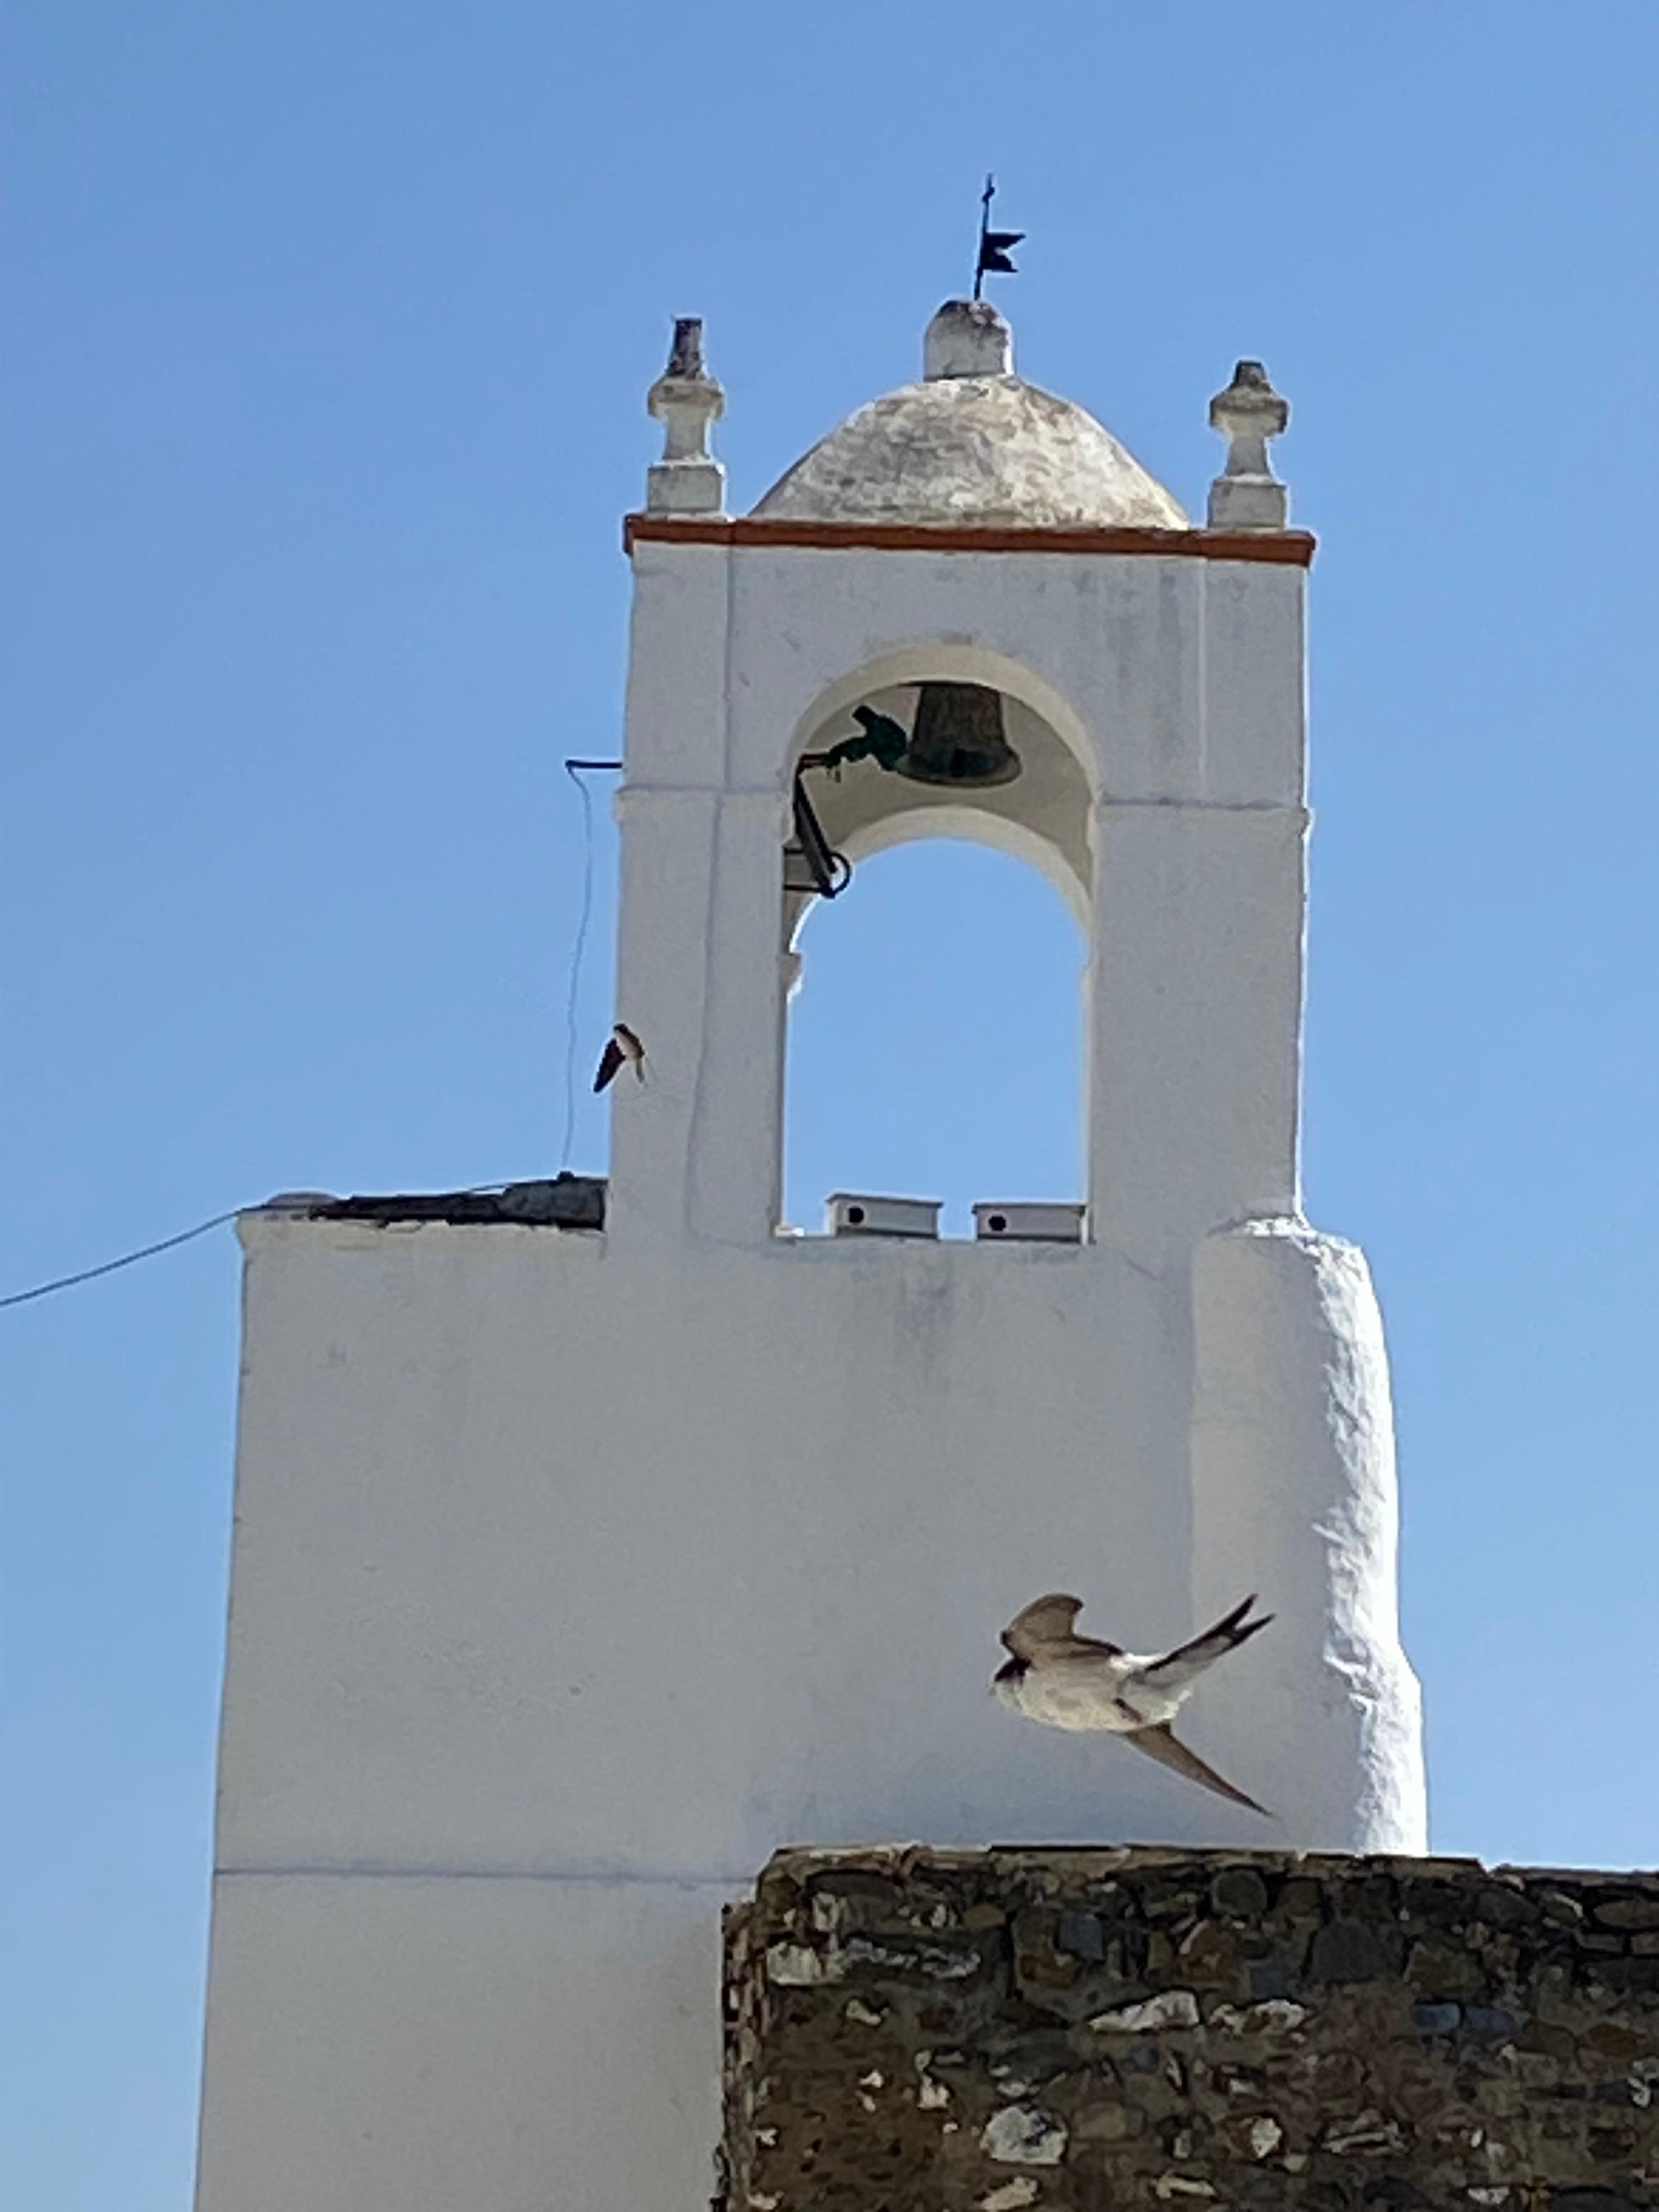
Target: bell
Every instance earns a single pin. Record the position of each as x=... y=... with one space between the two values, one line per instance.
x=958 y=738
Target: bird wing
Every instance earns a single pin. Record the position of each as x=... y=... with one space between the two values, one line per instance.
x=610 y=1060
x=1161 y=1744
x=1192 y=1657
x=1045 y=1625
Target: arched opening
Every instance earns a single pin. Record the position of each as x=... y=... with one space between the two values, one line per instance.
x=851 y=802
x=935 y=1043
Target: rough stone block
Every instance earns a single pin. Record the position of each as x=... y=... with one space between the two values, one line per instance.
x=917 y=2031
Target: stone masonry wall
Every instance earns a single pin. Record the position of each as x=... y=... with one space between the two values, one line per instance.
x=917 y=2031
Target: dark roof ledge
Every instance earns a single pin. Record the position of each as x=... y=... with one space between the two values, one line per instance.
x=567 y=1201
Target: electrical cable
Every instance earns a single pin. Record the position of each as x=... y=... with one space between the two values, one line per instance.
x=166 y=1243
x=126 y=1260
x=573 y=769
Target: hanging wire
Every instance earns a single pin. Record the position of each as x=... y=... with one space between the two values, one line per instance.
x=184 y=1236
x=579 y=946
x=574 y=769
x=126 y=1260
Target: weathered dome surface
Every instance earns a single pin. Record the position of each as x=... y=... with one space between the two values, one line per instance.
x=973 y=450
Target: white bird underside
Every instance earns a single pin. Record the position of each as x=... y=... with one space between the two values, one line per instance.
x=1080 y=1683
x=1084 y=1692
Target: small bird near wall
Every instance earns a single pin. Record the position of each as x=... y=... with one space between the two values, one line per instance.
x=1071 y=1681
x=623 y=1049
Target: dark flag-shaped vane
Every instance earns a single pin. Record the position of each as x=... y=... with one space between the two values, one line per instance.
x=993 y=245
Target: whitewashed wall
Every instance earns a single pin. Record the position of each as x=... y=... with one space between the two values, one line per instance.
x=574 y=1574
x=1176 y=681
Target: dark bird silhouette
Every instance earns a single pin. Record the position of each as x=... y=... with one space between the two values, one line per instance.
x=624 y=1047
x=885 y=741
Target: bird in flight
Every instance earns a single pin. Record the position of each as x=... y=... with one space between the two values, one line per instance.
x=1071 y=1681
x=622 y=1049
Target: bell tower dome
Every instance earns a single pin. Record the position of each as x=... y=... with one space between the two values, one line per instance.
x=972 y=443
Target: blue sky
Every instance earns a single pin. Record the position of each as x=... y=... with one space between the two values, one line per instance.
x=330 y=327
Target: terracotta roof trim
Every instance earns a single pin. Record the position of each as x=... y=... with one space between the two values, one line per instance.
x=1280 y=548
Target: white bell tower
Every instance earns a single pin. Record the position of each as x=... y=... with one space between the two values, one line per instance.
x=578 y=1567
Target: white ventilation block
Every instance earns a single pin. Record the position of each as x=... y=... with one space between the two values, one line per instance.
x=994 y=1222
x=851 y=1214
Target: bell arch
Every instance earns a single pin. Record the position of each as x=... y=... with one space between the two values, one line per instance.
x=942 y=740
x=961 y=823
x=859 y=804
x=948 y=659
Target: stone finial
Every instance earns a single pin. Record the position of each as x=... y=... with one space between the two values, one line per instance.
x=685 y=399
x=1247 y=494
x=966 y=337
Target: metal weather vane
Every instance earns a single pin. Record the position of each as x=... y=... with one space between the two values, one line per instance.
x=993 y=245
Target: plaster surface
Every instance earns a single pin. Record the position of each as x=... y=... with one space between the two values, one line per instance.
x=1176 y=688
x=570 y=1580
x=984 y=449
x=376 y=2044
x=574 y=1572
x=553 y=1555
